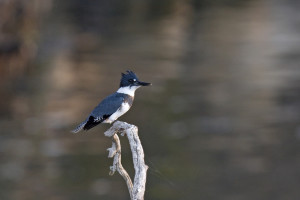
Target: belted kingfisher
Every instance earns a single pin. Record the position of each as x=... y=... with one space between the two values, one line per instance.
x=115 y=105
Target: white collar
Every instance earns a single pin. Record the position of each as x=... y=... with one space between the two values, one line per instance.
x=128 y=90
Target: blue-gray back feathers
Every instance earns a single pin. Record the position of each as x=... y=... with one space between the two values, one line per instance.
x=109 y=105
x=104 y=110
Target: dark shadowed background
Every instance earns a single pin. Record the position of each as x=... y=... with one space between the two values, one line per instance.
x=221 y=121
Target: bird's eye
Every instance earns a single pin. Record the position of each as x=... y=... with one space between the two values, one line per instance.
x=132 y=80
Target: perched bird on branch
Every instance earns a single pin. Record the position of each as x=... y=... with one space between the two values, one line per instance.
x=115 y=105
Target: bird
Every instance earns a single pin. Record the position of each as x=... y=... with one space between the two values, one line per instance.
x=115 y=105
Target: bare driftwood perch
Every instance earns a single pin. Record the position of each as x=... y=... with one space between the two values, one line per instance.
x=137 y=189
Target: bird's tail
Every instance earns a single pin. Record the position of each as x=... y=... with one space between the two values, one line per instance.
x=79 y=127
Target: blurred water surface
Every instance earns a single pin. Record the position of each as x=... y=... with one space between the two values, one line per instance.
x=221 y=120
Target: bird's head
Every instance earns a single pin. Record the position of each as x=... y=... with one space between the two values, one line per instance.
x=130 y=79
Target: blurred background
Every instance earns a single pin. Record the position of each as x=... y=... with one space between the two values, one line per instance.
x=221 y=120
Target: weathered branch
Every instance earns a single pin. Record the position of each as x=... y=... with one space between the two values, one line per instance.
x=137 y=189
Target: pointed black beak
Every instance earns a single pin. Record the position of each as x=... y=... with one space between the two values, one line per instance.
x=144 y=83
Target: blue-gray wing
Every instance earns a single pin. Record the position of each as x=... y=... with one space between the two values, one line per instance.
x=104 y=110
x=108 y=106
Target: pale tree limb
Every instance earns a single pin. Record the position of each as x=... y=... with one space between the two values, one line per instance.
x=137 y=189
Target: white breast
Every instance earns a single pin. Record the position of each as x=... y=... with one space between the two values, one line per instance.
x=121 y=111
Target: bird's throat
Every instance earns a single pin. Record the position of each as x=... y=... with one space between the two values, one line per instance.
x=129 y=90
